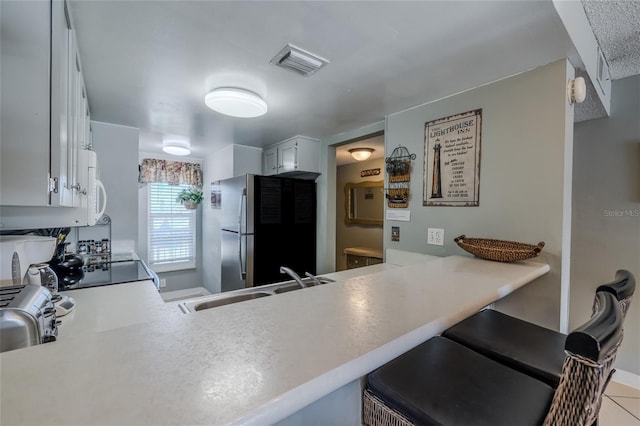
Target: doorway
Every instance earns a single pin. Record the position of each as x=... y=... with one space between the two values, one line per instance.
x=359 y=202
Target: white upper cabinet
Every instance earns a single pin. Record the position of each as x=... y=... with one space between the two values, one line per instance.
x=270 y=161
x=42 y=100
x=298 y=156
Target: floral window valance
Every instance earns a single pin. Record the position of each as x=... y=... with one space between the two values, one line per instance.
x=171 y=172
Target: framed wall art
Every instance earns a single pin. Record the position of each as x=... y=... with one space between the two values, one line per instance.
x=452 y=160
x=216 y=195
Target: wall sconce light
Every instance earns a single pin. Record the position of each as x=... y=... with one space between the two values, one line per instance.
x=176 y=146
x=577 y=90
x=361 y=154
x=236 y=102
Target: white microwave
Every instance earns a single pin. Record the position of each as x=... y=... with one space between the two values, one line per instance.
x=93 y=195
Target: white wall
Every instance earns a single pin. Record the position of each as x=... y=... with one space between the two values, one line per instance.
x=526 y=135
x=606 y=210
x=117 y=150
x=233 y=160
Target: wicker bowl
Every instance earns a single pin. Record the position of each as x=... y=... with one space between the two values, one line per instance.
x=498 y=250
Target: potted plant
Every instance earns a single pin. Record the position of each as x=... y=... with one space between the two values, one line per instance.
x=190 y=198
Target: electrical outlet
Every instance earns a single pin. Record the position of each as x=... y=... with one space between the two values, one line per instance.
x=163 y=282
x=435 y=236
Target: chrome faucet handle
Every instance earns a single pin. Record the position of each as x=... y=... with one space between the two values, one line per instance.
x=313 y=277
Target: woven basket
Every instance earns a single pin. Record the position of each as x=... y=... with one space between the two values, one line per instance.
x=398 y=197
x=498 y=250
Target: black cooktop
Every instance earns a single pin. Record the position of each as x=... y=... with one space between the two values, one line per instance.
x=100 y=271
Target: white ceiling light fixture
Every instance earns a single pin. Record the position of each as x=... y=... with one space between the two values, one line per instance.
x=236 y=102
x=361 y=154
x=577 y=90
x=176 y=146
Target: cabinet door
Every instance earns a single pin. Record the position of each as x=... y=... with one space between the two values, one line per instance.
x=63 y=152
x=79 y=131
x=288 y=156
x=87 y=128
x=308 y=155
x=25 y=28
x=270 y=161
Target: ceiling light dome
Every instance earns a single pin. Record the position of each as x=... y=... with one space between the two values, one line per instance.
x=176 y=146
x=236 y=102
x=361 y=154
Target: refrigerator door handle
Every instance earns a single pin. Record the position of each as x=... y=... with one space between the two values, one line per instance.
x=243 y=269
x=243 y=202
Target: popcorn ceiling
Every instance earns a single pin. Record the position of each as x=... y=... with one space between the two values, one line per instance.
x=616 y=26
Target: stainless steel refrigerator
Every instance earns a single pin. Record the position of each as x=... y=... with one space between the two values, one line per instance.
x=267 y=222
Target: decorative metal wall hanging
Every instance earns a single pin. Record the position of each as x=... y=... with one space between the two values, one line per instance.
x=370 y=172
x=452 y=160
x=398 y=167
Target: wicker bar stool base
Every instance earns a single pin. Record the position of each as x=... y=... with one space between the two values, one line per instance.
x=376 y=413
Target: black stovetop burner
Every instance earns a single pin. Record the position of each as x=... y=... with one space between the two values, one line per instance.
x=101 y=270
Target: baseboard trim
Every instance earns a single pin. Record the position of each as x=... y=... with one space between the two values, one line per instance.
x=626 y=378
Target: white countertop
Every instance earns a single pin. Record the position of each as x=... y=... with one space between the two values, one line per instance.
x=254 y=362
x=113 y=306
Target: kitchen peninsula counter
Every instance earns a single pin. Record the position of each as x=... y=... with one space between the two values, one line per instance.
x=254 y=362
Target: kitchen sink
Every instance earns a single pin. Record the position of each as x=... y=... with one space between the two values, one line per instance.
x=237 y=296
x=295 y=286
x=286 y=288
x=228 y=300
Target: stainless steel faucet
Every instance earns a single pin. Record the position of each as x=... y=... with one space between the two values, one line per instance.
x=313 y=277
x=296 y=277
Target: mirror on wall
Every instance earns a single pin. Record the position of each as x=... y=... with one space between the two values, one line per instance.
x=364 y=203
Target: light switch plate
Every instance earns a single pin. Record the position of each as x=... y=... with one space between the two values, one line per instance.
x=435 y=236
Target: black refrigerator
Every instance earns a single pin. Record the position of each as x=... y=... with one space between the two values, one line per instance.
x=267 y=222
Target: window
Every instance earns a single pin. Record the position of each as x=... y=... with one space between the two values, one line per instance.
x=172 y=230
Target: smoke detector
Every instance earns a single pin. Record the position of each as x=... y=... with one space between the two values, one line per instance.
x=299 y=60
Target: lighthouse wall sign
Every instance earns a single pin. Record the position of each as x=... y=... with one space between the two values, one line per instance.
x=452 y=160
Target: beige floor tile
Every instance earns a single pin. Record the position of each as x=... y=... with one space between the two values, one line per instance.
x=611 y=414
x=632 y=405
x=618 y=389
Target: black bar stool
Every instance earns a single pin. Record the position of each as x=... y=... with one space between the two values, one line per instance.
x=529 y=348
x=441 y=382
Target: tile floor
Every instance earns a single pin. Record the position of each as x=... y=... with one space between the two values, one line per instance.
x=620 y=406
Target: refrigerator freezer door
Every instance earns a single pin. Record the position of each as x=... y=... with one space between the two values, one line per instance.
x=285 y=228
x=232 y=190
x=232 y=262
x=237 y=261
x=248 y=246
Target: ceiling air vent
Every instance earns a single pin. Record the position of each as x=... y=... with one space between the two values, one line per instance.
x=299 y=60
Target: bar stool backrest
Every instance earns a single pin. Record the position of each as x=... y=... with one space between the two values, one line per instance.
x=622 y=287
x=591 y=351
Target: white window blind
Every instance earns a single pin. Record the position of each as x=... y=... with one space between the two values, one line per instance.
x=172 y=229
